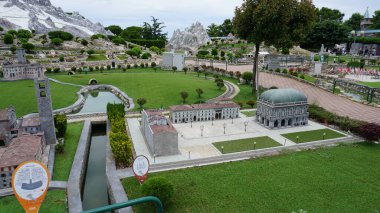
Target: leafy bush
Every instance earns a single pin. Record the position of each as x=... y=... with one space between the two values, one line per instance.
x=149 y=43
x=285 y=71
x=247 y=76
x=141 y=102
x=128 y=66
x=48 y=70
x=142 y=65
x=153 y=64
x=8 y=39
x=73 y=69
x=60 y=123
x=108 y=67
x=278 y=70
x=370 y=131
x=146 y=56
x=84 y=42
x=158 y=187
x=251 y=103
x=57 y=41
x=57 y=70
x=65 y=36
x=135 y=66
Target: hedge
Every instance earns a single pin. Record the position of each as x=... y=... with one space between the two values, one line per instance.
x=365 y=40
x=60 y=123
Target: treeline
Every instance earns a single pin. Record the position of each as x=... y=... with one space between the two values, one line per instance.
x=121 y=144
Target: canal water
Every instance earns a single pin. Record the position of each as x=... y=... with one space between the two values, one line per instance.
x=96 y=101
x=95 y=193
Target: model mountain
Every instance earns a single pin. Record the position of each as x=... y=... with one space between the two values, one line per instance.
x=189 y=39
x=43 y=17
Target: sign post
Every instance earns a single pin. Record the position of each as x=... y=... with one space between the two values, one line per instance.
x=141 y=168
x=30 y=182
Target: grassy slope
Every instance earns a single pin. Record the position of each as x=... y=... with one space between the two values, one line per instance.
x=314 y=135
x=96 y=58
x=339 y=179
x=245 y=144
x=21 y=95
x=63 y=162
x=159 y=88
x=371 y=84
x=55 y=201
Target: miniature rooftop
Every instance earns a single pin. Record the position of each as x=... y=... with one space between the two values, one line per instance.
x=282 y=96
x=21 y=149
x=204 y=106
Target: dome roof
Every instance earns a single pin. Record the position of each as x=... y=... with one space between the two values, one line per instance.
x=281 y=96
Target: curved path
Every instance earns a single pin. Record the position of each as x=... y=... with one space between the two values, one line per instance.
x=333 y=103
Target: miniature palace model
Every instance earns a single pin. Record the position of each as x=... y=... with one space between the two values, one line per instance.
x=204 y=112
x=22 y=69
x=282 y=108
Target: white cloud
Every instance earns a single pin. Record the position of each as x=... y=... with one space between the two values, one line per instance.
x=181 y=13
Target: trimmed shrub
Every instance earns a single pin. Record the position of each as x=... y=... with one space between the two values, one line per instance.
x=60 y=122
x=158 y=187
x=285 y=71
x=108 y=67
x=57 y=70
x=278 y=70
x=48 y=70
x=142 y=65
x=251 y=103
x=128 y=66
x=370 y=131
x=153 y=64
x=135 y=66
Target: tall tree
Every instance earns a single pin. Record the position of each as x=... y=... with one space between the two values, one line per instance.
x=353 y=23
x=213 y=30
x=154 y=31
x=226 y=27
x=376 y=20
x=281 y=23
x=114 y=29
x=325 y=14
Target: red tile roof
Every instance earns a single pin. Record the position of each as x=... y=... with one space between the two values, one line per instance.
x=27 y=122
x=21 y=149
x=162 y=128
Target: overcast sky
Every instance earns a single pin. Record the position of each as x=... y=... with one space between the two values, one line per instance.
x=181 y=13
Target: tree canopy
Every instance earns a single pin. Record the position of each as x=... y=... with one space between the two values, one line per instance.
x=353 y=23
x=153 y=31
x=281 y=23
x=376 y=20
x=114 y=29
x=132 y=32
x=327 y=14
x=224 y=29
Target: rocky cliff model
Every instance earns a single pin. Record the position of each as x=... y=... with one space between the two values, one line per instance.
x=189 y=39
x=42 y=16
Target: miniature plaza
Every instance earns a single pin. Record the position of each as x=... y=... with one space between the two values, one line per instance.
x=194 y=142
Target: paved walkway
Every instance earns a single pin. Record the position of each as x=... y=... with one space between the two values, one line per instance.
x=333 y=103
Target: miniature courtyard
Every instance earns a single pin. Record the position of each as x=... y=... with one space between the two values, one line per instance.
x=194 y=143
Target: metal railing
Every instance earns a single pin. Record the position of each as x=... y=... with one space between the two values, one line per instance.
x=117 y=206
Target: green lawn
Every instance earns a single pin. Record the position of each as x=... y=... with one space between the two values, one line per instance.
x=55 y=201
x=371 y=84
x=315 y=135
x=64 y=161
x=249 y=113
x=160 y=88
x=339 y=179
x=245 y=144
x=21 y=95
x=310 y=79
x=96 y=58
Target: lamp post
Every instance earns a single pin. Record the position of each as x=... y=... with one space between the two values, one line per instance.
x=154 y=158
x=222 y=147
x=324 y=135
x=191 y=123
x=224 y=127
x=298 y=137
x=202 y=128
x=212 y=121
x=254 y=145
x=246 y=124
x=232 y=118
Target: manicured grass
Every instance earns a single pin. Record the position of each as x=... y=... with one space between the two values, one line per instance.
x=245 y=144
x=55 y=201
x=160 y=88
x=315 y=135
x=339 y=179
x=310 y=79
x=371 y=84
x=249 y=113
x=96 y=58
x=22 y=96
x=64 y=161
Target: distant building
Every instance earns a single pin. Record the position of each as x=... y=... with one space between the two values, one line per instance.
x=366 y=22
x=22 y=70
x=8 y=124
x=171 y=59
x=160 y=135
x=281 y=108
x=204 y=112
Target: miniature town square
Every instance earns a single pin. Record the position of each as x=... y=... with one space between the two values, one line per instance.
x=272 y=108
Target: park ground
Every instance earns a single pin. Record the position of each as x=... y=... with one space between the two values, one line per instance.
x=339 y=179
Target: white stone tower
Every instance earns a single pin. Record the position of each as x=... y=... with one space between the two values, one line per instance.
x=45 y=109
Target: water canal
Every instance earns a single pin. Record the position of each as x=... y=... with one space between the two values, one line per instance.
x=96 y=101
x=95 y=192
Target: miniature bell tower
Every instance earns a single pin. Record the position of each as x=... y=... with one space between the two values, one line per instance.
x=45 y=109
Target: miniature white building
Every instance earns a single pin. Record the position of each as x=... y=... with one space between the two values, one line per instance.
x=159 y=133
x=204 y=112
x=22 y=70
x=171 y=59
